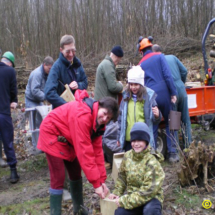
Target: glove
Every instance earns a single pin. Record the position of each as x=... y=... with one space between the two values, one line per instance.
x=62 y=139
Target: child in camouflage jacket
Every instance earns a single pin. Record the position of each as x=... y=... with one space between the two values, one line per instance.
x=141 y=175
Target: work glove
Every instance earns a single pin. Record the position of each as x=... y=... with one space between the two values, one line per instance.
x=62 y=139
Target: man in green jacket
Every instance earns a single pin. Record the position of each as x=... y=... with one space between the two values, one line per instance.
x=106 y=83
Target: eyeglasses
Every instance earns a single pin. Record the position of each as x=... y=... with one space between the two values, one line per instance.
x=70 y=50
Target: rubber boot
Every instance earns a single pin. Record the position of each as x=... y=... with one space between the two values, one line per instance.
x=2 y=162
x=55 y=204
x=76 y=190
x=13 y=175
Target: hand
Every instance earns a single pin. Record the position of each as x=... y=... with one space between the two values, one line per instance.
x=73 y=85
x=118 y=143
x=105 y=189
x=155 y=111
x=100 y=192
x=113 y=196
x=46 y=102
x=173 y=99
x=13 y=105
x=117 y=202
x=62 y=139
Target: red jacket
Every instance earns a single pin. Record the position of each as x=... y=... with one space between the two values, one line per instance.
x=76 y=122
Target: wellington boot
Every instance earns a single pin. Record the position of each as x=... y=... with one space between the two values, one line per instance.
x=55 y=204
x=14 y=176
x=76 y=190
x=2 y=162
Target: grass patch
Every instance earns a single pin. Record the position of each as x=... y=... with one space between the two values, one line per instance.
x=35 y=163
x=5 y=171
x=165 y=163
x=33 y=207
x=186 y=199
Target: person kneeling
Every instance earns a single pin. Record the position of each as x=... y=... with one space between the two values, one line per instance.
x=141 y=175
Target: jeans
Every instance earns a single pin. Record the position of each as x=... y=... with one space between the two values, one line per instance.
x=153 y=207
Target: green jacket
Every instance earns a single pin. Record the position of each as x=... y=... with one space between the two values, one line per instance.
x=106 y=83
x=142 y=176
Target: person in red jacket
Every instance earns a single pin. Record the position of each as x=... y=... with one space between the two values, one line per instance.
x=81 y=123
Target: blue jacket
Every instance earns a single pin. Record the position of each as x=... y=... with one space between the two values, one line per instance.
x=35 y=87
x=149 y=102
x=62 y=70
x=8 y=88
x=157 y=73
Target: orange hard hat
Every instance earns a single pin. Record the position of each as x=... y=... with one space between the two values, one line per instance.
x=145 y=42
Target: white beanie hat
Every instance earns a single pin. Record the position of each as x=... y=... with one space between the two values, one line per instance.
x=136 y=75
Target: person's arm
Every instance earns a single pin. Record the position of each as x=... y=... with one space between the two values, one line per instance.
x=51 y=87
x=152 y=183
x=112 y=84
x=167 y=76
x=121 y=182
x=119 y=121
x=36 y=91
x=156 y=120
x=99 y=157
x=88 y=155
x=13 y=88
x=83 y=83
x=182 y=69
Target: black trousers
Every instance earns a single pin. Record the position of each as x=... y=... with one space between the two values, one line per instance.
x=6 y=131
x=152 y=207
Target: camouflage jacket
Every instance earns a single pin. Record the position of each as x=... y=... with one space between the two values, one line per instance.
x=142 y=176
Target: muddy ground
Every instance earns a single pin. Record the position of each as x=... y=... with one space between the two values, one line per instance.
x=30 y=195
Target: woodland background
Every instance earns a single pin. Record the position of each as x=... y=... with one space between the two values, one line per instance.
x=32 y=28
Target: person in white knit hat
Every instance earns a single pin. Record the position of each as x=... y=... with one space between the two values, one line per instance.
x=138 y=105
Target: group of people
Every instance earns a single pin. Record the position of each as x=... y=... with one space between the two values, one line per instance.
x=71 y=134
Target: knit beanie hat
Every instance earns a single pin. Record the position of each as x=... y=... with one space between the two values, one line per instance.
x=117 y=50
x=136 y=75
x=140 y=131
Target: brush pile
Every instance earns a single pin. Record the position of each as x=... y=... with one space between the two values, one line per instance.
x=198 y=166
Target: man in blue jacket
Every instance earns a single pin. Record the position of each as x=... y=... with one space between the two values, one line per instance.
x=66 y=70
x=158 y=77
x=8 y=98
x=179 y=74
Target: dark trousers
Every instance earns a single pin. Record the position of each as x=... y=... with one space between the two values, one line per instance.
x=170 y=136
x=6 y=131
x=57 y=171
x=152 y=207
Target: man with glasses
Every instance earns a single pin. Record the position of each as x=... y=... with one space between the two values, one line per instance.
x=66 y=70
